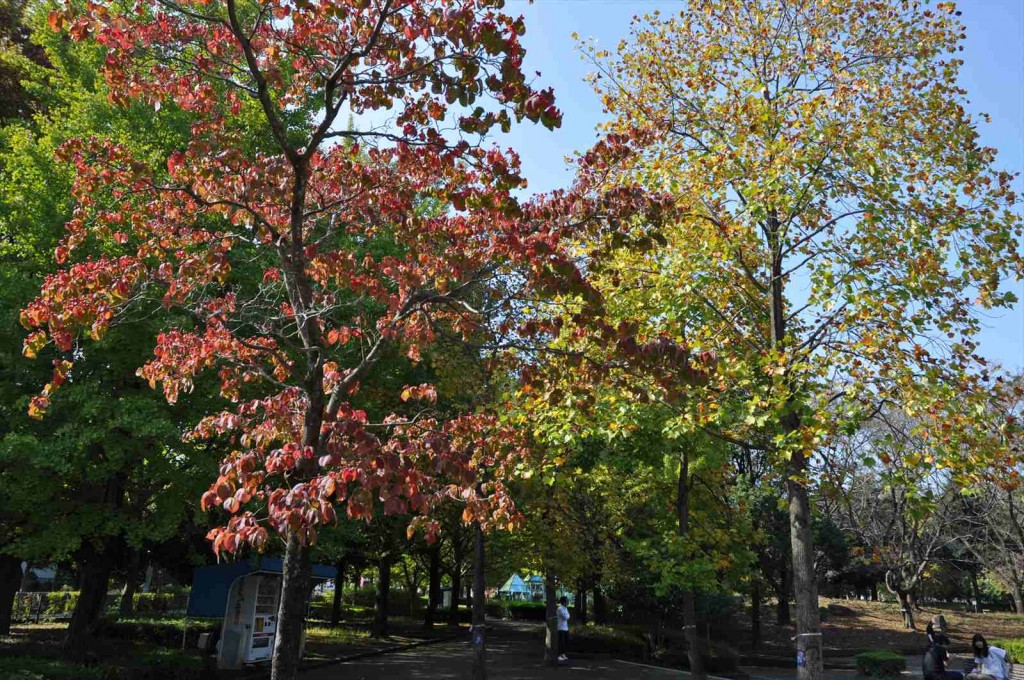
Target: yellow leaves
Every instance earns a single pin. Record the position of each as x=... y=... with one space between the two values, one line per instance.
x=33 y=343
x=55 y=20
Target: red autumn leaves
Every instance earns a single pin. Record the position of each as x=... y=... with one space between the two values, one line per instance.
x=260 y=186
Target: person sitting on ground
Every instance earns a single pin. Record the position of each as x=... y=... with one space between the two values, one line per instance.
x=989 y=662
x=563 y=628
x=935 y=659
x=935 y=638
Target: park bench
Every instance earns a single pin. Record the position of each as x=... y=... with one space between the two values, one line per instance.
x=1016 y=670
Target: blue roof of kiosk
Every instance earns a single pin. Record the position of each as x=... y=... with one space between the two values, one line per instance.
x=210 y=585
x=514 y=584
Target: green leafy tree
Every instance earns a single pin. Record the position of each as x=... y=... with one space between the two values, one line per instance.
x=833 y=222
x=108 y=473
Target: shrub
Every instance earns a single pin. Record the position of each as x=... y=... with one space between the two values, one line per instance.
x=465 y=614
x=162 y=632
x=527 y=611
x=717 y=612
x=499 y=609
x=159 y=603
x=1014 y=647
x=881 y=664
x=619 y=642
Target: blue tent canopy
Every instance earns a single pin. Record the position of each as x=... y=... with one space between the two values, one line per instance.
x=210 y=585
x=514 y=586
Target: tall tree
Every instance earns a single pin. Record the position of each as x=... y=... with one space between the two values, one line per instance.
x=108 y=472
x=836 y=220
x=268 y=82
x=908 y=514
x=19 y=57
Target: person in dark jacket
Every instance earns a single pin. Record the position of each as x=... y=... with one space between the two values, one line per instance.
x=935 y=637
x=934 y=666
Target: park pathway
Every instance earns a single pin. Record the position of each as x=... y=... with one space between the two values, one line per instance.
x=510 y=656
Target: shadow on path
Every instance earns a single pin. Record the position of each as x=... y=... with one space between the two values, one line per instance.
x=511 y=655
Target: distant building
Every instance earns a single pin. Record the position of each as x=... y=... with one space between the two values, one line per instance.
x=38 y=578
x=534 y=589
x=514 y=589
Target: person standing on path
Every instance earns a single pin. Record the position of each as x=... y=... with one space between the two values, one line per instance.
x=563 y=628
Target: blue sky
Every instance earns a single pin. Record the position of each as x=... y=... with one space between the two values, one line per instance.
x=993 y=75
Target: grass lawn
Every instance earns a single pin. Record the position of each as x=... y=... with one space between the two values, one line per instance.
x=853 y=625
x=150 y=647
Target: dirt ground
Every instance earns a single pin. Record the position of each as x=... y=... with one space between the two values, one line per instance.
x=856 y=625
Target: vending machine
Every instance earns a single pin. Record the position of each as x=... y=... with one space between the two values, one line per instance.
x=264 y=621
x=250 y=625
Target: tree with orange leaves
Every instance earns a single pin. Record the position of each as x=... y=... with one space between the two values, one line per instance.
x=299 y=259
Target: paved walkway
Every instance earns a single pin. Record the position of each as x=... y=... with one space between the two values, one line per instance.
x=514 y=655
x=507 y=659
x=913 y=670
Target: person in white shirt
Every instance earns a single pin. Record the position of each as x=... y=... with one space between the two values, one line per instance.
x=563 y=628
x=989 y=662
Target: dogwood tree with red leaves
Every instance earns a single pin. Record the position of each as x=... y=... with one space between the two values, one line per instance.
x=265 y=234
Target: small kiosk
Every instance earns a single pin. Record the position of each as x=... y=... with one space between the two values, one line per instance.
x=247 y=594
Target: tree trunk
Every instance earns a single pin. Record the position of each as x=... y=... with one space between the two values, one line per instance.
x=26 y=578
x=10 y=578
x=95 y=560
x=413 y=591
x=782 y=614
x=291 y=614
x=1018 y=599
x=94 y=565
x=581 y=606
x=874 y=592
x=551 y=650
x=434 y=587
x=131 y=583
x=380 y=612
x=693 y=650
x=453 y=613
x=755 y=616
x=907 y=609
x=479 y=610
x=339 y=587
x=600 y=607
x=975 y=592
x=810 y=662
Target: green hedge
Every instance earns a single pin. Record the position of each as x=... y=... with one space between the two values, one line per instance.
x=619 y=642
x=465 y=614
x=1014 y=648
x=159 y=603
x=61 y=603
x=517 y=610
x=878 y=663
x=321 y=607
x=162 y=632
